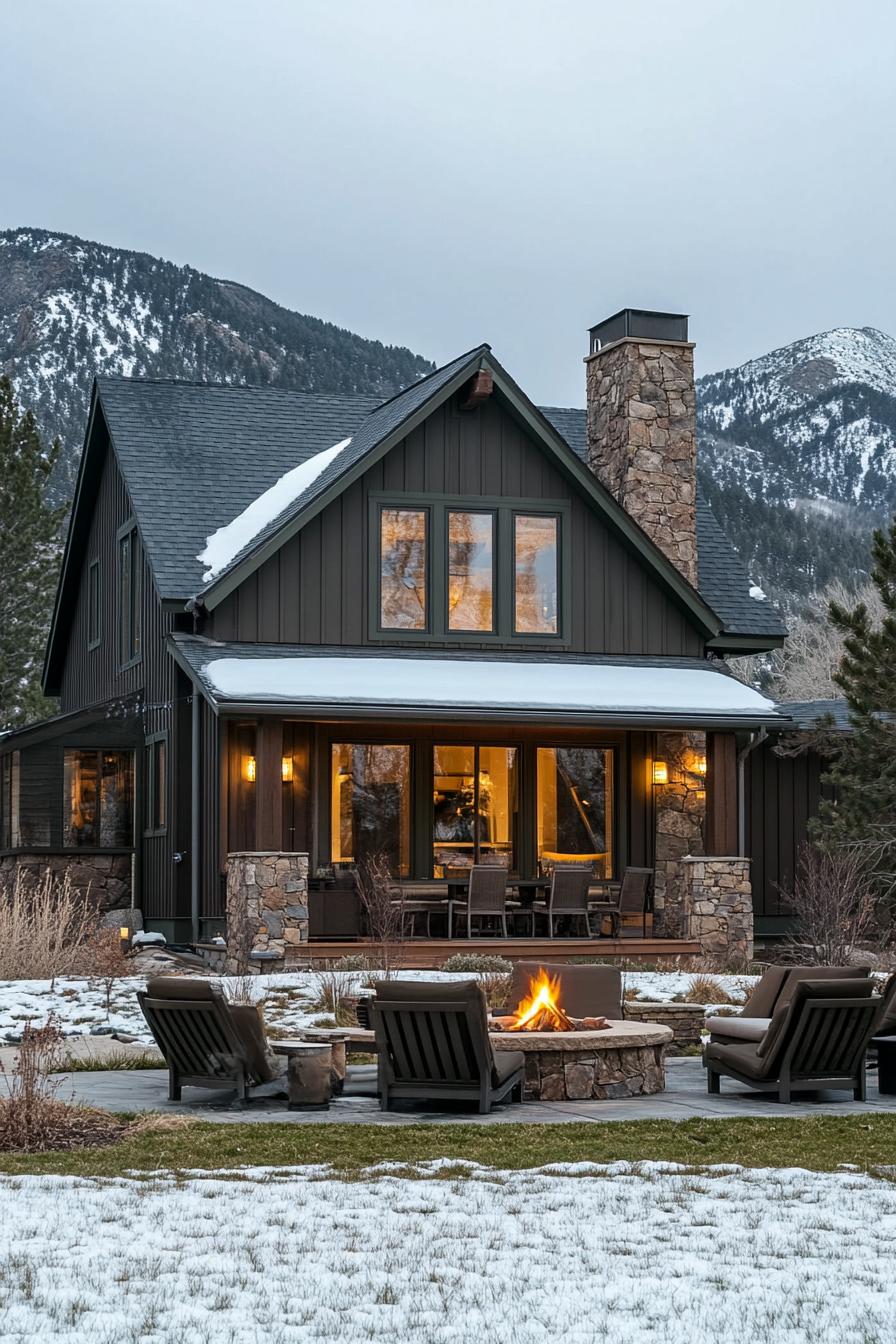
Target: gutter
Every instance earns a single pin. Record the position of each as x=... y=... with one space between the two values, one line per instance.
x=756 y=740
x=195 y=841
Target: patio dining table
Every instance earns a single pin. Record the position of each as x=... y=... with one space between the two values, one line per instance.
x=440 y=896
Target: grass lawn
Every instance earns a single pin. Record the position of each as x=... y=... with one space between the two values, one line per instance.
x=821 y=1143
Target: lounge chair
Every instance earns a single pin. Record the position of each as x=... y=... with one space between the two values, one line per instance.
x=433 y=1045
x=206 y=1041
x=486 y=898
x=631 y=899
x=817 y=1040
x=568 y=897
x=772 y=991
x=585 y=991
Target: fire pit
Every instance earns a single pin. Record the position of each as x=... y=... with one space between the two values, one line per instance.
x=578 y=1059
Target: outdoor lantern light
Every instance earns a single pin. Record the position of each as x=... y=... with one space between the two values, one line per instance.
x=286 y=769
x=124 y=934
x=700 y=765
x=660 y=772
x=249 y=769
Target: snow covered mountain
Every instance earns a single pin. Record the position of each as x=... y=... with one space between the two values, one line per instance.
x=798 y=455
x=70 y=308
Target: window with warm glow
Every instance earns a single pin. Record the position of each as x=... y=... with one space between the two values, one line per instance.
x=370 y=804
x=575 y=807
x=99 y=799
x=475 y=806
x=536 y=574
x=403 y=578
x=470 y=570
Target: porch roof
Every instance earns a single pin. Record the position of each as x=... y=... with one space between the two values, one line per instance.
x=314 y=682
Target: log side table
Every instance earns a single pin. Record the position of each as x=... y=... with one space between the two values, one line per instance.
x=337 y=1041
x=308 y=1073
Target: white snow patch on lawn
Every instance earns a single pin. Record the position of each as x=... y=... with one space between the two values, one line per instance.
x=561 y=1255
x=225 y=544
x=288 y=999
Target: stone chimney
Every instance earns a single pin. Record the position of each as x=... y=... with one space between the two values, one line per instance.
x=642 y=431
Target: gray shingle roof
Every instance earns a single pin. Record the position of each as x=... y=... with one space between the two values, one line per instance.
x=724 y=582
x=806 y=713
x=195 y=455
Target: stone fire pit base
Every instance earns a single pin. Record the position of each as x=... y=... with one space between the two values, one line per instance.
x=625 y=1060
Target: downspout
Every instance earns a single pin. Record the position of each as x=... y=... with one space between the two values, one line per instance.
x=195 y=840
x=755 y=740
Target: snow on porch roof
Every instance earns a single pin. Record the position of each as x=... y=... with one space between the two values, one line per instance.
x=612 y=689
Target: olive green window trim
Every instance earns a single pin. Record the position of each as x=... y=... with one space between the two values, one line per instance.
x=503 y=510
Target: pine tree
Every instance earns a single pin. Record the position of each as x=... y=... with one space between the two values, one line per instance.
x=29 y=560
x=863 y=770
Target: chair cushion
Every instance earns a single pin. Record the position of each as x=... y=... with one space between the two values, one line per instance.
x=247 y=1020
x=743 y=1057
x=797 y=975
x=404 y=991
x=182 y=987
x=585 y=991
x=505 y=1063
x=738 y=1028
x=764 y=995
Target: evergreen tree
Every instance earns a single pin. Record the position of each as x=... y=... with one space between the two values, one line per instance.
x=863 y=769
x=29 y=560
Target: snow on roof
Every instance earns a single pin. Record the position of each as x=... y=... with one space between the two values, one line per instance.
x=224 y=545
x=757 y=594
x=466 y=683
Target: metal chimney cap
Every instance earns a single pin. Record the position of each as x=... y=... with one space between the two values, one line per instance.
x=640 y=323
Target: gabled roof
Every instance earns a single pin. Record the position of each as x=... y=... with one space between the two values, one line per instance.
x=194 y=456
x=808 y=713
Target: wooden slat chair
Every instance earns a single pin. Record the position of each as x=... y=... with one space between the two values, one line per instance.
x=568 y=897
x=772 y=991
x=206 y=1041
x=632 y=899
x=433 y=1045
x=817 y=1041
x=486 y=898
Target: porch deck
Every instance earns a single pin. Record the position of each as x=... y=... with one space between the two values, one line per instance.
x=431 y=953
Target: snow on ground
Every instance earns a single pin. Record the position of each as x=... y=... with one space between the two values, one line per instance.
x=566 y=1255
x=288 y=1000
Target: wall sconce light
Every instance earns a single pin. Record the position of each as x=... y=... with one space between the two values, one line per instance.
x=660 y=772
x=286 y=769
x=700 y=766
x=249 y=769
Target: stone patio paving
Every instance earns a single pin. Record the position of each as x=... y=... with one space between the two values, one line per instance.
x=685 y=1098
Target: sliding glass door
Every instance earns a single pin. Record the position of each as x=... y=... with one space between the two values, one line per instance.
x=575 y=807
x=370 y=804
x=475 y=807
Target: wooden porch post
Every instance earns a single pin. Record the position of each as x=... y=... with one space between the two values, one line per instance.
x=269 y=785
x=721 y=794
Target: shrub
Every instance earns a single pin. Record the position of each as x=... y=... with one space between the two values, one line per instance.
x=45 y=926
x=832 y=896
x=357 y=961
x=332 y=998
x=478 y=963
x=103 y=958
x=32 y=1117
x=705 y=989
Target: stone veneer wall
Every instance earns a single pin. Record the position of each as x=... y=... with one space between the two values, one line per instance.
x=680 y=813
x=106 y=878
x=685 y=1019
x=720 y=906
x=642 y=439
x=267 y=911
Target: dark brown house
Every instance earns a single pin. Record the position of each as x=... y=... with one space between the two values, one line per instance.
x=450 y=627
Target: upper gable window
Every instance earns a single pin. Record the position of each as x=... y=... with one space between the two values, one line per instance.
x=403 y=569
x=129 y=592
x=469 y=570
x=94 y=626
x=536 y=574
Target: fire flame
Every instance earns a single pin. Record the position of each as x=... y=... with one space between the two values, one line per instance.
x=540 y=1010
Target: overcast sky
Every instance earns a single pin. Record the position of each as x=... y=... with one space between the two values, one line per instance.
x=437 y=174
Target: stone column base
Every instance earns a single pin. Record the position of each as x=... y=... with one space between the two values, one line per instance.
x=267 y=911
x=719 y=908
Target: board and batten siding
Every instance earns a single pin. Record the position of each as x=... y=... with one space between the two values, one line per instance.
x=315 y=590
x=782 y=793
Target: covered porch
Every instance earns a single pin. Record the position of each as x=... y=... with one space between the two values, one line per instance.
x=436 y=763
